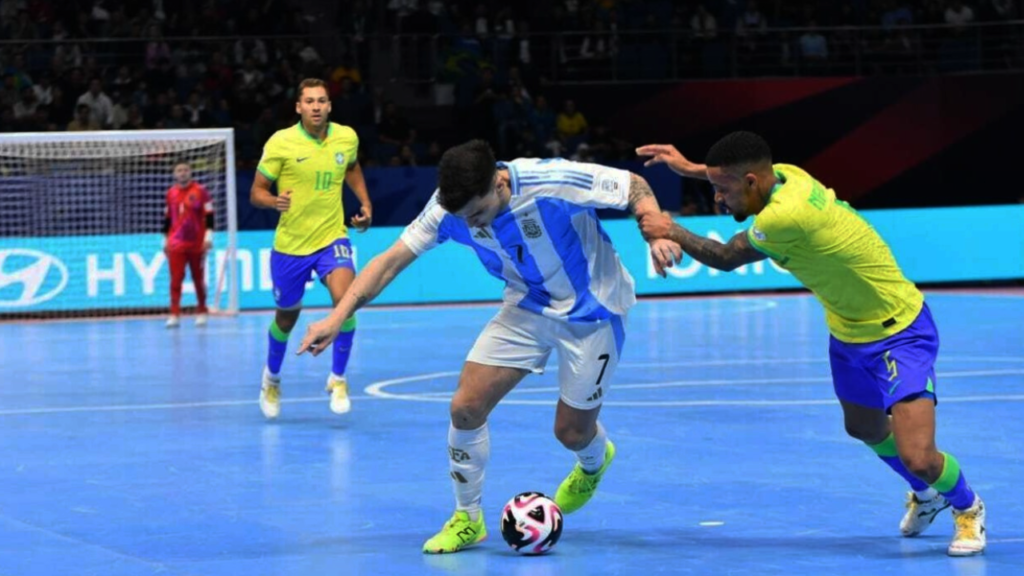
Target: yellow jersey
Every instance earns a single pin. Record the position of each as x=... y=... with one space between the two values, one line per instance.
x=314 y=172
x=838 y=256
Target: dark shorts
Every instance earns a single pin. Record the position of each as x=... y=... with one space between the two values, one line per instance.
x=880 y=374
x=290 y=273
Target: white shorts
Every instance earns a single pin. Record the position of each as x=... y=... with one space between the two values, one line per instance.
x=587 y=352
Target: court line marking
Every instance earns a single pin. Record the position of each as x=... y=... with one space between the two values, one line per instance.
x=163 y=406
x=1009 y=292
x=815 y=360
x=376 y=392
x=723 y=382
x=154 y=565
x=629 y=403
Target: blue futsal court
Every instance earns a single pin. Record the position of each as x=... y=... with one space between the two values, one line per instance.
x=130 y=449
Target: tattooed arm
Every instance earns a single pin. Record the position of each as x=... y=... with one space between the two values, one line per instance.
x=641 y=198
x=665 y=252
x=729 y=256
x=367 y=285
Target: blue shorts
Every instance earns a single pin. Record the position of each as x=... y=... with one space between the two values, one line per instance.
x=880 y=374
x=290 y=273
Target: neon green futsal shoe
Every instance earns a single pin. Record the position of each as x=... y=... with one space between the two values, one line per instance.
x=577 y=488
x=459 y=532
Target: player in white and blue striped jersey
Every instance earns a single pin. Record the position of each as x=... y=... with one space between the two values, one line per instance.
x=533 y=224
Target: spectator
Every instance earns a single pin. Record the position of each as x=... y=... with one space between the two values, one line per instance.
x=959 y=14
x=1003 y=9
x=124 y=82
x=156 y=49
x=83 y=120
x=25 y=107
x=249 y=77
x=571 y=126
x=394 y=129
x=542 y=121
x=99 y=103
x=250 y=48
x=195 y=111
x=703 y=23
x=897 y=15
x=813 y=45
x=43 y=90
x=120 y=115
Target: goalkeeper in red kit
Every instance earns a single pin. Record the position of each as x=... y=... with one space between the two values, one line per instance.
x=188 y=234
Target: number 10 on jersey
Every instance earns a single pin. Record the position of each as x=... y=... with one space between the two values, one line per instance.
x=323 y=181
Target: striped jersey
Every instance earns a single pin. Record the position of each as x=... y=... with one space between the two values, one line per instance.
x=547 y=245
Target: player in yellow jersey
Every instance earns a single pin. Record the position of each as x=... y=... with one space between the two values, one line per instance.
x=883 y=342
x=308 y=162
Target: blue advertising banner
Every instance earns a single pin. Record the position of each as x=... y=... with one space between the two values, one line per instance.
x=130 y=271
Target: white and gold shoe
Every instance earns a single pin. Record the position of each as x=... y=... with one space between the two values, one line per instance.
x=969 y=539
x=270 y=395
x=338 y=387
x=921 y=513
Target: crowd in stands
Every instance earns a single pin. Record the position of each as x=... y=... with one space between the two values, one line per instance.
x=120 y=65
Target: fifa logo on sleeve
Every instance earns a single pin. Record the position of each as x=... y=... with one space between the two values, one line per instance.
x=609 y=185
x=29 y=277
x=339 y=158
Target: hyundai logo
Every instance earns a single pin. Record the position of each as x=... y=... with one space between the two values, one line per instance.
x=29 y=277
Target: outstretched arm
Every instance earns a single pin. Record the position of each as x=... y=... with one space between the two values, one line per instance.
x=729 y=256
x=668 y=155
x=367 y=285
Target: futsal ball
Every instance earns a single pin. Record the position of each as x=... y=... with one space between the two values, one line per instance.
x=531 y=523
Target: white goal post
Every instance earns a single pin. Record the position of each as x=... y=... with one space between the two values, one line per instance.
x=81 y=220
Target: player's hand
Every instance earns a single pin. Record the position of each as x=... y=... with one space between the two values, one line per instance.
x=362 y=220
x=163 y=245
x=668 y=155
x=207 y=241
x=654 y=226
x=665 y=254
x=319 y=336
x=283 y=201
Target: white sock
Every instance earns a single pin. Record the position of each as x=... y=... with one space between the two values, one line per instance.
x=468 y=453
x=268 y=373
x=926 y=495
x=592 y=457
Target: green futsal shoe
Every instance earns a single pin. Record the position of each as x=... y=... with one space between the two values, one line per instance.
x=577 y=488
x=459 y=532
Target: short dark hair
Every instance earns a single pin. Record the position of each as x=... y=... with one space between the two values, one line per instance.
x=739 y=149
x=465 y=172
x=309 y=83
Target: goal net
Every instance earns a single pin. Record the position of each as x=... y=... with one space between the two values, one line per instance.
x=81 y=221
